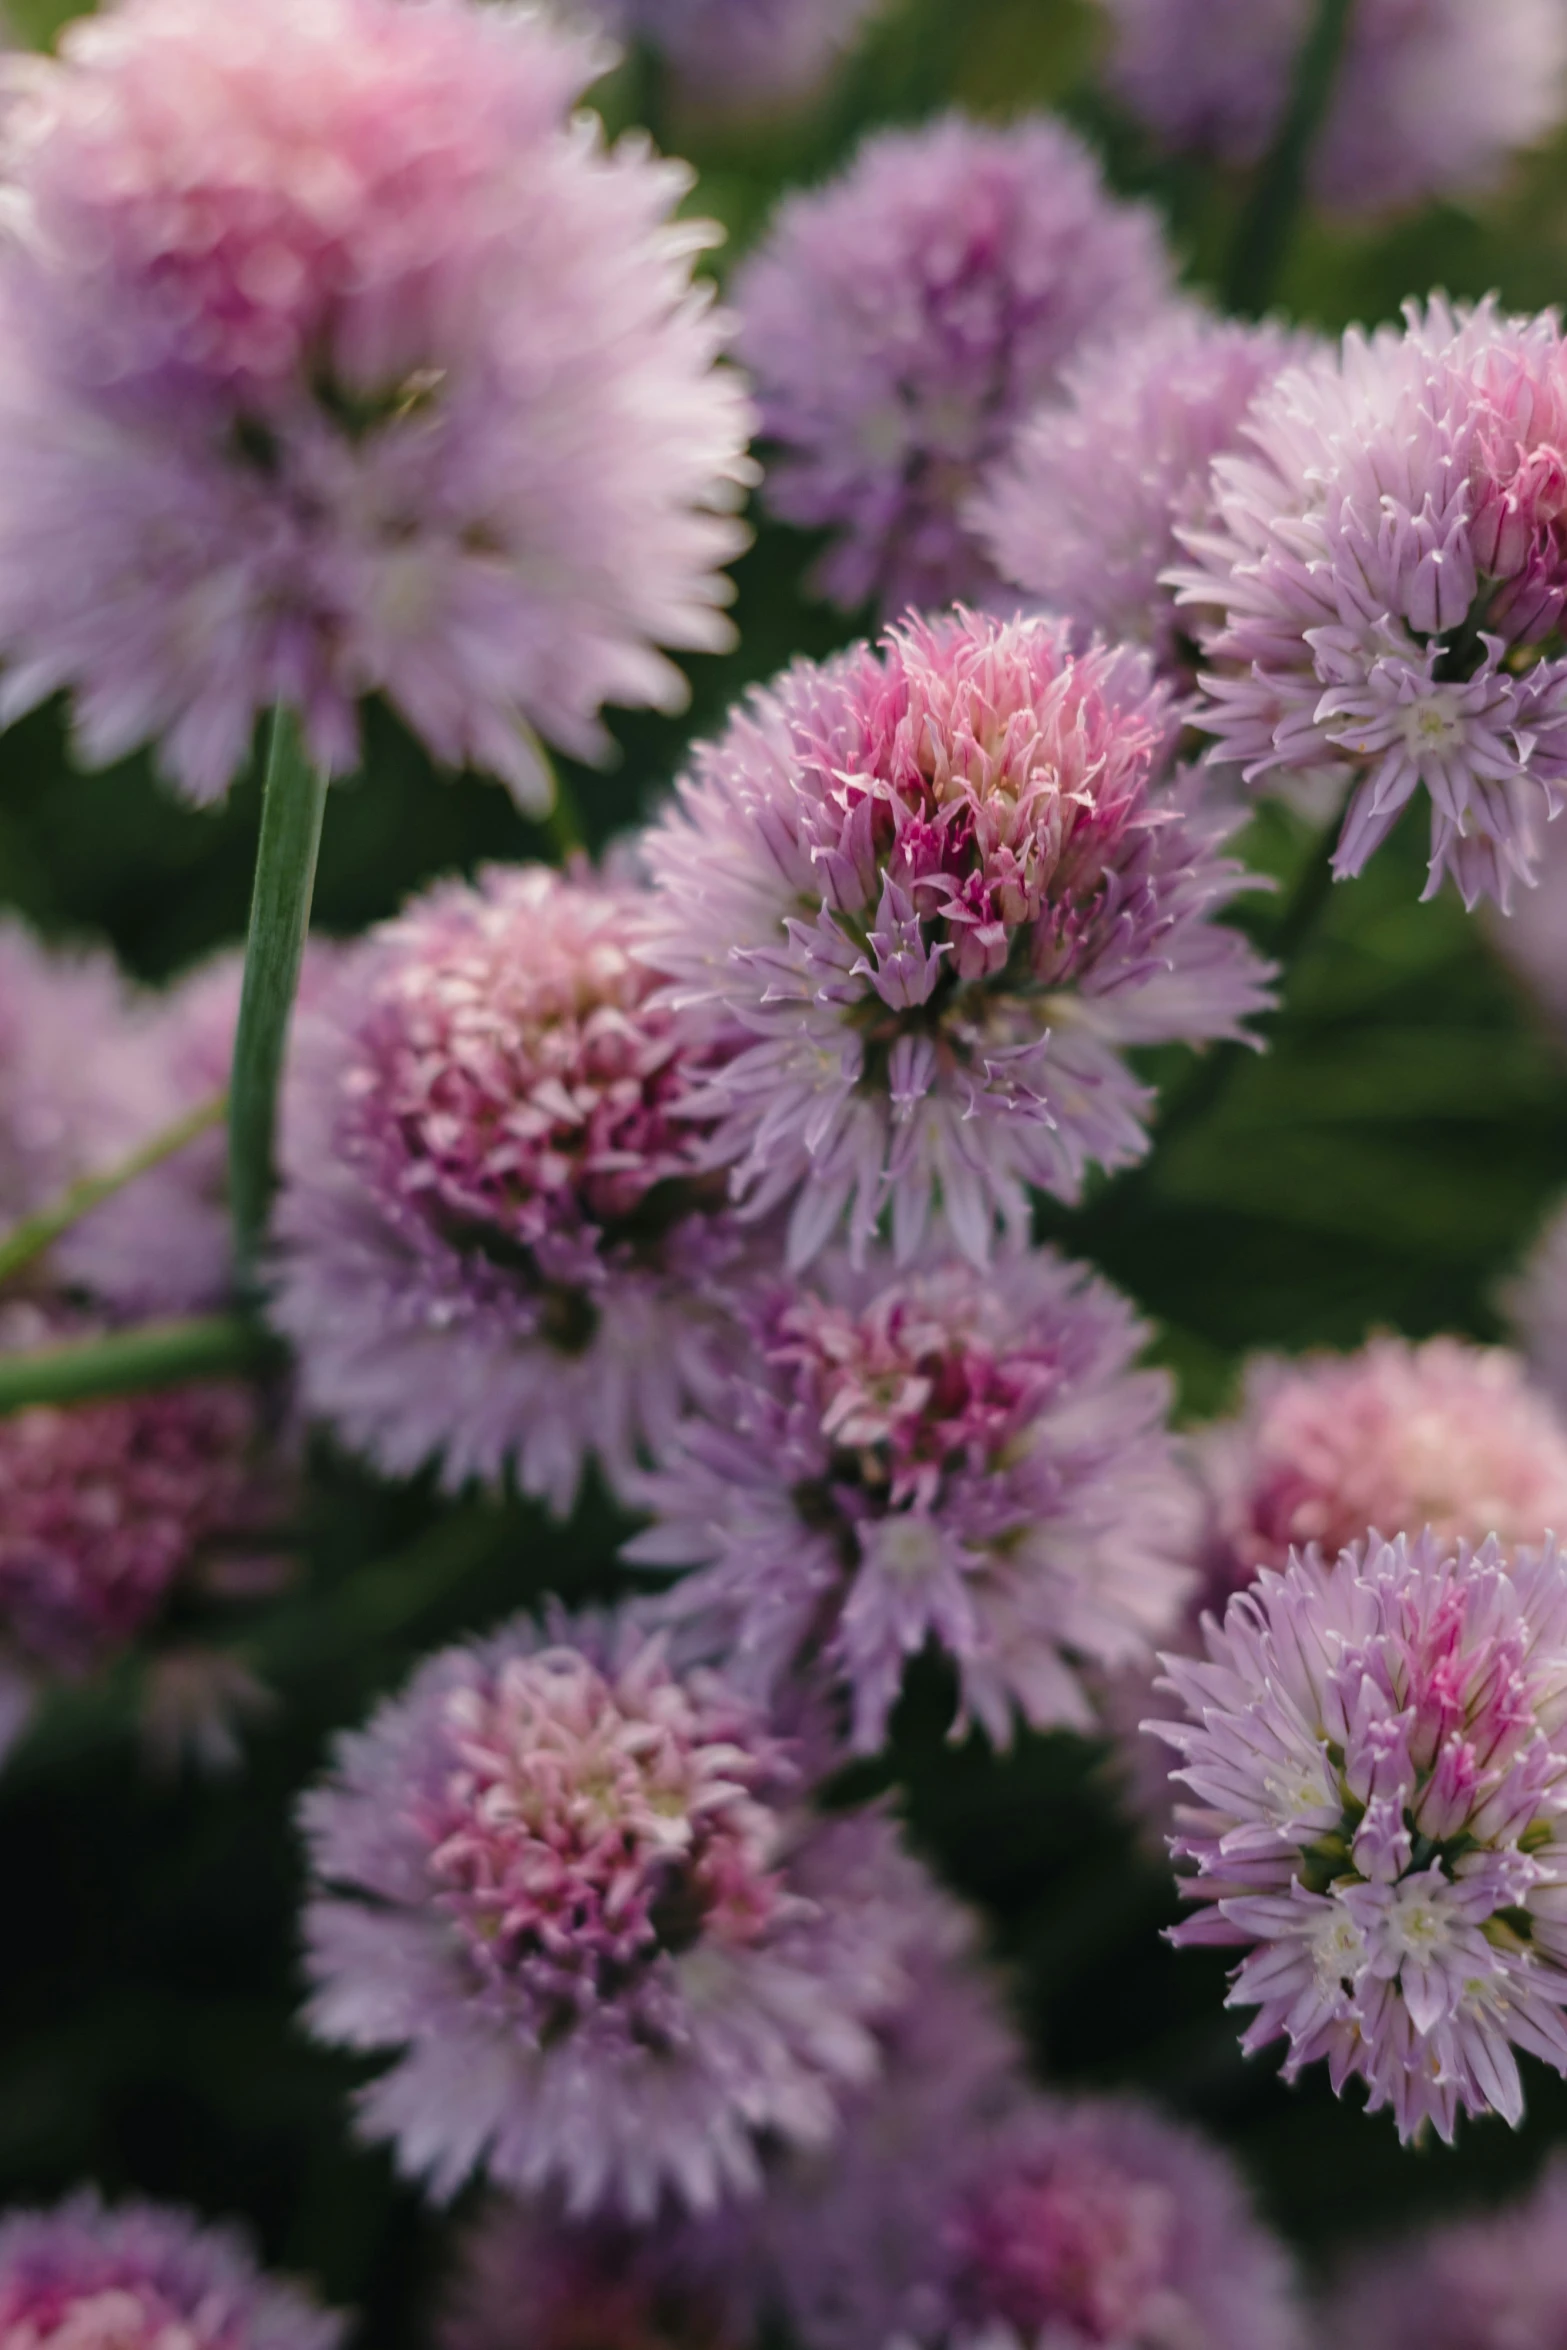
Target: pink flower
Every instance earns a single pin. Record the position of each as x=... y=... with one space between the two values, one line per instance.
x=328 y=326
x=497 y=1232
x=1378 y=1753
x=925 y=897
x=902 y=321
x=1484 y=2280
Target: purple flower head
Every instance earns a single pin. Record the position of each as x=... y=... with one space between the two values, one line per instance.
x=1431 y=98
x=583 y=1900
x=1386 y=583
x=532 y=2278
x=928 y=894
x=1378 y=1753
x=938 y=1457
x=901 y=322
x=1091 y=2226
x=144 y=2277
x=496 y=1225
x=328 y=327
x=1083 y=510
x=1395 y=1437
x=1495 y=2281
x=108 y=1509
x=740 y=56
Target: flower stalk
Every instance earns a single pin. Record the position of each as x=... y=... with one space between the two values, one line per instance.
x=293 y=804
x=1268 y=221
x=156 y=1354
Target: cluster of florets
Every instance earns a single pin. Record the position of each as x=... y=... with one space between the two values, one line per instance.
x=742 y=56
x=901 y=323
x=1094 y=2226
x=941 y=1458
x=1497 y=2282
x=1430 y=98
x=1395 y=1438
x=496 y=1219
x=144 y=2277
x=1378 y=1755
x=108 y=1510
x=585 y=1902
x=359 y=367
x=1386 y=584
x=1084 y=510
x=929 y=894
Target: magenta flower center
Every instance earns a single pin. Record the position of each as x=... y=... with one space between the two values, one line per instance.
x=115 y=2317
x=588 y=1827
x=520 y=1091
x=900 y=1399
x=1075 y=2246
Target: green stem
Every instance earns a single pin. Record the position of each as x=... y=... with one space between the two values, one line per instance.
x=157 y=1354
x=1268 y=221
x=34 y=1234
x=292 y=806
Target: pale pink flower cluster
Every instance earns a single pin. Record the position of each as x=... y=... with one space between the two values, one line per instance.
x=339 y=358
x=1377 y=1753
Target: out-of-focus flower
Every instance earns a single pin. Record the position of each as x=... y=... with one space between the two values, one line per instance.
x=939 y=1458
x=1536 y=1302
x=532 y=2278
x=1386 y=584
x=496 y=1237
x=1532 y=939
x=144 y=2277
x=1083 y=511
x=1332 y=1448
x=929 y=894
x=584 y=1901
x=339 y=361
x=1393 y=1438
x=740 y=56
x=67 y=1089
x=108 y=1508
x=1091 y=2226
x=1494 y=2281
x=901 y=322
x=1378 y=1752
x=1431 y=96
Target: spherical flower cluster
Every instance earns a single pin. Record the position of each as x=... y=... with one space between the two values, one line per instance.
x=1430 y=98
x=107 y=1508
x=939 y=1458
x=1091 y=2226
x=1491 y=2282
x=1083 y=510
x=936 y=890
x=1393 y=1438
x=1532 y=939
x=533 y=2279
x=1387 y=580
x=495 y=1225
x=1378 y=1752
x=740 y=56
x=338 y=361
x=144 y=2277
x=582 y=1899
x=1332 y=1448
x=901 y=322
